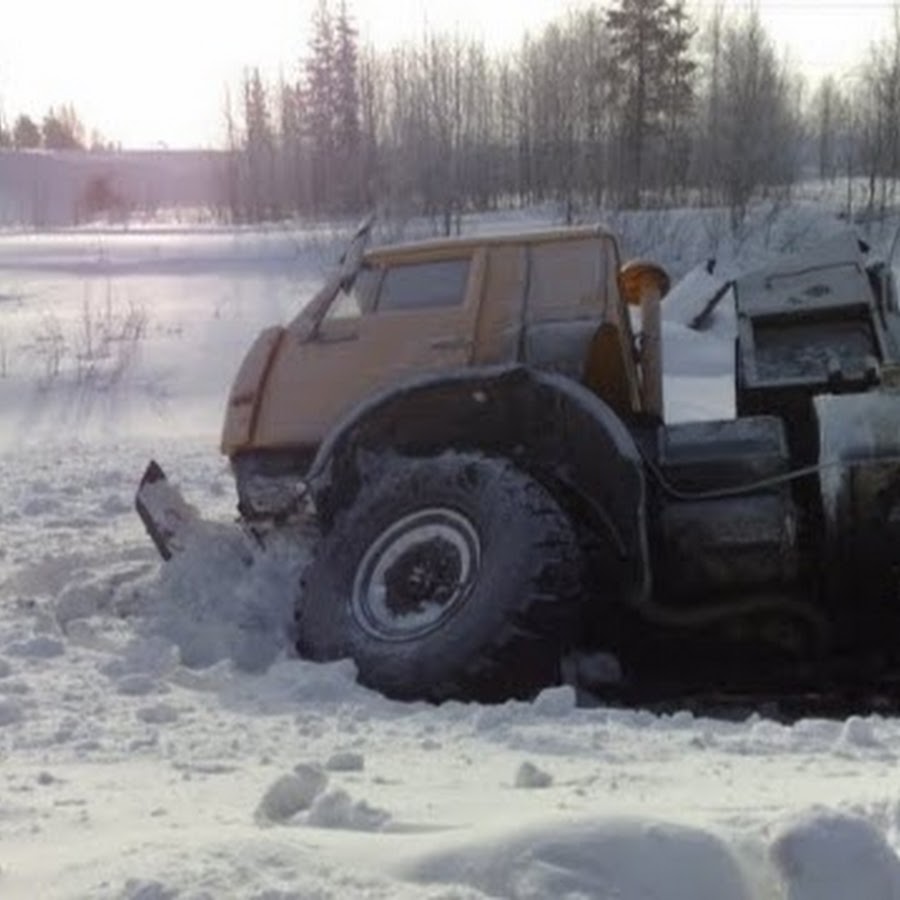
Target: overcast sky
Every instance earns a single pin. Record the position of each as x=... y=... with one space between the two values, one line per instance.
x=152 y=73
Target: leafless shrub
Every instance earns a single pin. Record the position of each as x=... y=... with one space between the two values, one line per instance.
x=107 y=340
x=102 y=343
x=48 y=345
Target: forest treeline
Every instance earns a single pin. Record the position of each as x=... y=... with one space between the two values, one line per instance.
x=60 y=128
x=622 y=104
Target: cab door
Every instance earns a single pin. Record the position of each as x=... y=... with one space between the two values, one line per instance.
x=399 y=319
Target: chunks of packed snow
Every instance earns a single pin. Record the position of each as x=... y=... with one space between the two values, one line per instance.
x=336 y=809
x=152 y=656
x=290 y=794
x=824 y=855
x=558 y=701
x=137 y=685
x=345 y=761
x=10 y=712
x=160 y=714
x=138 y=889
x=628 y=859
x=858 y=732
x=40 y=647
x=528 y=775
x=312 y=778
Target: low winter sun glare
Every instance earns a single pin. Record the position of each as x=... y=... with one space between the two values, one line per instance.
x=154 y=74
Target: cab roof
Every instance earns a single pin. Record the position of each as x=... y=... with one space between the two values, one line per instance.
x=450 y=246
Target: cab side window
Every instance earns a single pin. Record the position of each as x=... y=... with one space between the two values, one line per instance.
x=429 y=285
x=568 y=280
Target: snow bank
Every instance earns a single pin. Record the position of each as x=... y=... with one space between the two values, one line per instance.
x=628 y=859
x=824 y=855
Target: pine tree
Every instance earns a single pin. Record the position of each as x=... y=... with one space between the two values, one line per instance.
x=320 y=96
x=346 y=109
x=371 y=112
x=62 y=129
x=260 y=150
x=26 y=134
x=6 y=139
x=650 y=41
x=294 y=169
x=231 y=172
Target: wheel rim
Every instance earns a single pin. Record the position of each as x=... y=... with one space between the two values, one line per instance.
x=416 y=574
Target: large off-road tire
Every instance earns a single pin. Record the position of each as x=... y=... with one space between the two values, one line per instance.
x=457 y=576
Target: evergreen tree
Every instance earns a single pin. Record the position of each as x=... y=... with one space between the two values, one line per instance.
x=62 y=129
x=231 y=173
x=345 y=93
x=320 y=96
x=371 y=113
x=26 y=134
x=294 y=168
x=650 y=41
x=260 y=150
x=256 y=112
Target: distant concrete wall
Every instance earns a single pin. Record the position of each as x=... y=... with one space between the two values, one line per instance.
x=43 y=189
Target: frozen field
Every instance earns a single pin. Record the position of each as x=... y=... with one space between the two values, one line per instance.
x=157 y=739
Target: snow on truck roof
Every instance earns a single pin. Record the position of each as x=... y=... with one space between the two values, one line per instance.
x=472 y=242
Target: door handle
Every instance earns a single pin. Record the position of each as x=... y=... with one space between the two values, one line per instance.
x=451 y=343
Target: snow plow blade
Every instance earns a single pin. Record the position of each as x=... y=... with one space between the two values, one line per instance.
x=166 y=515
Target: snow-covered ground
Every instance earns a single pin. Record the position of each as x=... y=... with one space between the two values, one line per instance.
x=158 y=740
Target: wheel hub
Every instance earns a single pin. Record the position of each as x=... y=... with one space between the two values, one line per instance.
x=416 y=574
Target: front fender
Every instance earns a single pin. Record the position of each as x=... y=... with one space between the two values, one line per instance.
x=548 y=424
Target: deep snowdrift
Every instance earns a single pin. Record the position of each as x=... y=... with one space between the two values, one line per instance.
x=158 y=740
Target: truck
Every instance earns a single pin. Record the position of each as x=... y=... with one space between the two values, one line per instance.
x=473 y=430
